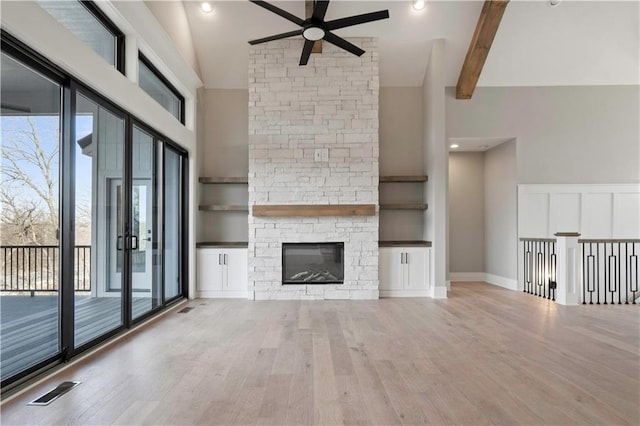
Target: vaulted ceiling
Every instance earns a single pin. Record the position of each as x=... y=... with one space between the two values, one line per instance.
x=574 y=43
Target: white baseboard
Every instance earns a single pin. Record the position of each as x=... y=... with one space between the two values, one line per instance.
x=404 y=293
x=438 y=292
x=467 y=276
x=222 y=295
x=503 y=282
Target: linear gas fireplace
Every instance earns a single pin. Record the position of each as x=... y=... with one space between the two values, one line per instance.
x=312 y=263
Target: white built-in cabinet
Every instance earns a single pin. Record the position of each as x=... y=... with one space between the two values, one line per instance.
x=404 y=271
x=222 y=272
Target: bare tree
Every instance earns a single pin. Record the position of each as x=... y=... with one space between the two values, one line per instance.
x=28 y=194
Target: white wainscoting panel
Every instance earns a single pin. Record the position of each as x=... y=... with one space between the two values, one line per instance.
x=598 y=215
x=626 y=214
x=566 y=212
x=596 y=211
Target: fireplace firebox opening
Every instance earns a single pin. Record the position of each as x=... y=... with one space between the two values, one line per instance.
x=312 y=263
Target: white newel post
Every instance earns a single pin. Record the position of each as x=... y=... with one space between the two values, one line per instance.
x=568 y=268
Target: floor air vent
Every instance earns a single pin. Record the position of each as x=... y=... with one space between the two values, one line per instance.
x=185 y=310
x=54 y=394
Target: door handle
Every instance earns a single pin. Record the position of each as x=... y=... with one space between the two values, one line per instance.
x=402 y=258
x=119 y=243
x=225 y=259
x=406 y=258
x=134 y=246
x=220 y=259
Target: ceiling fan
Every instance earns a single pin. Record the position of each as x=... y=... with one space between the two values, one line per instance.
x=316 y=28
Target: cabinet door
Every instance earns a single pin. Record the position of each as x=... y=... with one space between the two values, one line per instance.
x=391 y=273
x=236 y=270
x=416 y=268
x=209 y=270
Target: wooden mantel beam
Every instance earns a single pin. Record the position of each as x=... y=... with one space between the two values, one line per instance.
x=488 y=23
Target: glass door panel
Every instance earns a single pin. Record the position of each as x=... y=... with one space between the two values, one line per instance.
x=99 y=224
x=172 y=223
x=145 y=279
x=29 y=213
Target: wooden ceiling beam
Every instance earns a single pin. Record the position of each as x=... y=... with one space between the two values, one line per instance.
x=488 y=23
x=308 y=12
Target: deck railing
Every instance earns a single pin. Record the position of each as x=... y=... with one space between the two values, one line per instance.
x=609 y=271
x=35 y=269
x=540 y=267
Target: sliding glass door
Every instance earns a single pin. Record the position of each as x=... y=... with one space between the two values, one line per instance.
x=173 y=209
x=145 y=259
x=99 y=225
x=29 y=222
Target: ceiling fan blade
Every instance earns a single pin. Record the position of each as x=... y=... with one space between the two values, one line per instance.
x=320 y=10
x=343 y=44
x=276 y=37
x=286 y=15
x=357 y=19
x=306 y=52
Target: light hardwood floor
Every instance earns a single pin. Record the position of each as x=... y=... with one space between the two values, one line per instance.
x=483 y=356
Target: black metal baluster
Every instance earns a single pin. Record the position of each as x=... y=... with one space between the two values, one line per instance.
x=607 y=274
x=635 y=257
x=619 y=283
x=526 y=268
x=524 y=262
x=598 y=274
x=592 y=273
x=11 y=270
x=554 y=272
x=4 y=268
x=545 y=278
x=584 y=274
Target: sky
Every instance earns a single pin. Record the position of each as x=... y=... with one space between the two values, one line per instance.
x=47 y=129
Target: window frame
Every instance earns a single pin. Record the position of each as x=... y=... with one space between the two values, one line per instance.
x=108 y=24
x=142 y=58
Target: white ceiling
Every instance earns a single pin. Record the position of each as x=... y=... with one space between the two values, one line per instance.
x=575 y=43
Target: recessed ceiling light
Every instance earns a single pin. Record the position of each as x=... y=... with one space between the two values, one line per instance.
x=419 y=4
x=454 y=146
x=554 y=3
x=206 y=7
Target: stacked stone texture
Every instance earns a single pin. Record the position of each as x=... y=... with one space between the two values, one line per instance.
x=330 y=103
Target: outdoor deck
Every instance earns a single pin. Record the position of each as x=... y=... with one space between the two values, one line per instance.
x=30 y=325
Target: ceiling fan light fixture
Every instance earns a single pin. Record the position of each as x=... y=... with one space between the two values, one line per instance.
x=313 y=33
x=419 y=4
x=206 y=7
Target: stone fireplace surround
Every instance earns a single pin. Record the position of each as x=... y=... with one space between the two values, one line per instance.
x=331 y=104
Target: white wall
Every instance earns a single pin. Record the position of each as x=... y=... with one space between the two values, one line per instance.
x=500 y=215
x=401 y=143
x=225 y=152
x=436 y=165
x=400 y=131
x=173 y=18
x=466 y=212
x=565 y=134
